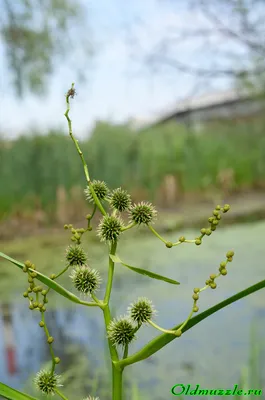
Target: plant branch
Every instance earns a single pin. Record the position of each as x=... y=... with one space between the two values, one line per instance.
x=71 y=93
x=111 y=272
x=160 y=341
x=57 y=391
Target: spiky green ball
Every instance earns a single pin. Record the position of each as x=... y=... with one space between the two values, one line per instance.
x=120 y=200
x=91 y=398
x=47 y=382
x=75 y=255
x=109 y=228
x=121 y=331
x=85 y=279
x=100 y=189
x=143 y=213
x=142 y=310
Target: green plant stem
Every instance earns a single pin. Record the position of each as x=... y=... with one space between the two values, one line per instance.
x=57 y=391
x=112 y=348
x=91 y=304
x=161 y=329
x=62 y=272
x=59 y=274
x=160 y=341
x=93 y=212
x=125 y=228
x=113 y=248
x=156 y=234
x=96 y=300
x=126 y=349
x=116 y=371
x=50 y=345
x=187 y=320
x=97 y=202
x=185 y=241
x=116 y=383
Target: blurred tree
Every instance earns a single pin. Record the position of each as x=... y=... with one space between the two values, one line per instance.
x=208 y=39
x=35 y=33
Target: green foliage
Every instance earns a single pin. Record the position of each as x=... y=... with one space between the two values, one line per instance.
x=251 y=374
x=32 y=167
x=35 y=34
x=12 y=394
x=121 y=331
x=141 y=271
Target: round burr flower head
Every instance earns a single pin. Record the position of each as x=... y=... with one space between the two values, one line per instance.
x=121 y=331
x=142 y=310
x=47 y=382
x=109 y=228
x=143 y=213
x=120 y=200
x=85 y=279
x=100 y=189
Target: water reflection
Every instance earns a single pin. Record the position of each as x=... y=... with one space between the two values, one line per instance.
x=211 y=354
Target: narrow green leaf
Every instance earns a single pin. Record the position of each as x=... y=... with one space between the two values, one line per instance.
x=13 y=394
x=141 y=271
x=47 y=281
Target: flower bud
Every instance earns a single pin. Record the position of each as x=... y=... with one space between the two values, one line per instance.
x=75 y=255
x=85 y=279
x=121 y=331
x=109 y=228
x=213 y=285
x=226 y=208
x=142 y=310
x=47 y=382
x=143 y=213
x=100 y=188
x=120 y=200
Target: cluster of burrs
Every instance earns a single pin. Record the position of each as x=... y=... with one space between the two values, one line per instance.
x=122 y=331
x=112 y=225
x=209 y=283
x=46 y=380
x=213 y=220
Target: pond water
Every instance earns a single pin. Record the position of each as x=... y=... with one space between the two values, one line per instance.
x=211 y=354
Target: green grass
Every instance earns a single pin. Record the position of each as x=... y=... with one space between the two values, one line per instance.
x=32 y=167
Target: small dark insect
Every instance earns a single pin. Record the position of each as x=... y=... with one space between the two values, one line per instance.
x=71 y=93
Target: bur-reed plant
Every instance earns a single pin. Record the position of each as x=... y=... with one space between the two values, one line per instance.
x=121 y=331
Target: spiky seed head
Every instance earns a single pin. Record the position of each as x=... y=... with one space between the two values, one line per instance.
x=47 y=382
x=85 y=279
x=91 y=398
x=100 y=188
x=143 y=213
x=121 y=331
x=75 y=255
x=141 y=310
x=120 y=200
x=109 y=227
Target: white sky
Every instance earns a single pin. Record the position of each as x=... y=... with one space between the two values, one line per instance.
x=118 y=88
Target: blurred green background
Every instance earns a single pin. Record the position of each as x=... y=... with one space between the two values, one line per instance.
x=130 y=137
